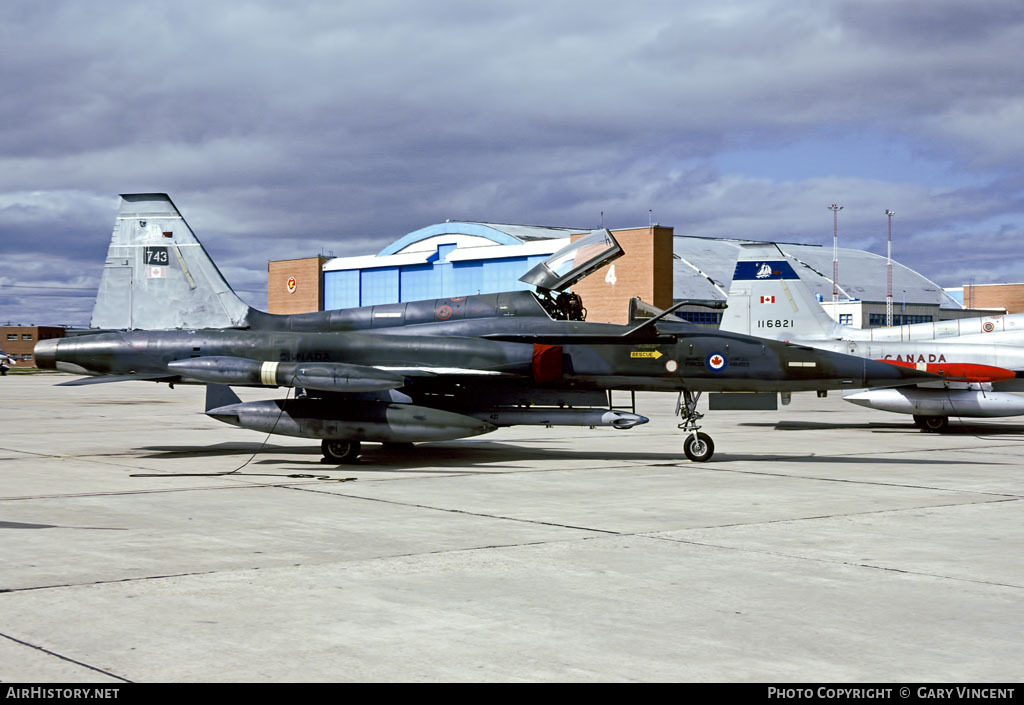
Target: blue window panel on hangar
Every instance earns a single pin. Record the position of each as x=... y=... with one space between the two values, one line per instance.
x=440 y=279
x=488 y=276
x=503 y=274
x=378 y=286
x=417 y=282
x=467 y=278
x=341 y=289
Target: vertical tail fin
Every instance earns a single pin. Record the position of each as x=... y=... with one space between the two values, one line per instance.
x=767 y=299
x=158 y=276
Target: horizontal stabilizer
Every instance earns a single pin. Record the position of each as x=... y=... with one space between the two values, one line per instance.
x=118 y=378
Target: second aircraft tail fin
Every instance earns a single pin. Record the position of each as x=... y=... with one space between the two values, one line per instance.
x=158 y=276
x=767 y=299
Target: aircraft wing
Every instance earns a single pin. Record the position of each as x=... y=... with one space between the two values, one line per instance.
x=439 y=371
x=574 y=339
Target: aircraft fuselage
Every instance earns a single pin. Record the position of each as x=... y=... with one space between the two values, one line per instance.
x=699 y=362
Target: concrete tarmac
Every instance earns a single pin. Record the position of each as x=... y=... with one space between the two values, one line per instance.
x=142 y=541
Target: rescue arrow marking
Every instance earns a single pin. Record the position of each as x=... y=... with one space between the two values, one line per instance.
x=655 y=354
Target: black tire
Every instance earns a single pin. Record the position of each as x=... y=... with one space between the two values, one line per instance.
x=340 y=451
x=699 y=449
x=935 y=424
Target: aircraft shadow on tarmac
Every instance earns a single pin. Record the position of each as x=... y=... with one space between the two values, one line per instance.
x=423 y=457
x=489 y=455
x=25 y=525
x=954 y=429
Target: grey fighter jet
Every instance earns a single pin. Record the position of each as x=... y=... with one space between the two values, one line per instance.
x=415 y=371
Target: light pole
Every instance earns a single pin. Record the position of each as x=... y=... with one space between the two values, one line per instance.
x=835 y=258
x=888 y=274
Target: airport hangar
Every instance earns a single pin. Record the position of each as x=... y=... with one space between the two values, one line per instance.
x=461 y=258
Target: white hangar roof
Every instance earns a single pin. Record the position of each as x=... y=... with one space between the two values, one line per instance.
x=703 y=268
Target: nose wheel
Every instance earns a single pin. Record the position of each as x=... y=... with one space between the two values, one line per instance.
x=698 y=446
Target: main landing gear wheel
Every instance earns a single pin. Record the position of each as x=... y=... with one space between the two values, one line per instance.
x=340 y=451
x=932 y=423
x=699 y=447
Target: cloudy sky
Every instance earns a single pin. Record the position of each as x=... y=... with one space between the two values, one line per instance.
x=282 y=131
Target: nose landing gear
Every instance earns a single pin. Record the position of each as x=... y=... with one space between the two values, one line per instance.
x=697 y=446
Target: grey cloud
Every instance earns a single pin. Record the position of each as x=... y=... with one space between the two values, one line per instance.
x=928 y=23
x=282 y=130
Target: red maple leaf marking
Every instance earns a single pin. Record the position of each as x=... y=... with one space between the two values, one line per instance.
x=716 y=360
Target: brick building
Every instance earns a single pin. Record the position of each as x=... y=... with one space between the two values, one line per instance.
x=995 y=296
x=20 y=341
x=295 y=285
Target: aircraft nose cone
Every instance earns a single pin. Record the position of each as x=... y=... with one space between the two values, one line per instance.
x=45 y=354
